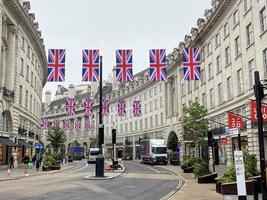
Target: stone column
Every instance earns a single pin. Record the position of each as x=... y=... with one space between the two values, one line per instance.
x=3 y=67
x=134 y=148
x=10 y=69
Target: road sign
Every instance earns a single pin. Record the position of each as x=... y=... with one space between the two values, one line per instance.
x=232 y=131
x=38 y=146
x=240 y=173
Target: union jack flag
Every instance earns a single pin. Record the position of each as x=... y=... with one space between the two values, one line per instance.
x=121 y=108
x=191 y=64
x=88 y=106
x=70 y=106
x=105 y=107
x=90 y=71
x=56 y=123
x=66 y=124
x=45 y=123
x=124 y=64
x=87 y=125
x=56 y=65
x=158 y=65
x=136 y=108
x=77 y=125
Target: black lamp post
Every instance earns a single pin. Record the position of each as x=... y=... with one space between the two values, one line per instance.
x=99 y=169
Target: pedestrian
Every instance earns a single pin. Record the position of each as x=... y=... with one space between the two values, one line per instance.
x=38 y=160
x=11 y=161
x=26 y=159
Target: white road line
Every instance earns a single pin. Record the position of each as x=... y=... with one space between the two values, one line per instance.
x=80 y=168
x=146 y=167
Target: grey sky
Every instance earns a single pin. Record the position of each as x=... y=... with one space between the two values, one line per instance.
x=114 y=24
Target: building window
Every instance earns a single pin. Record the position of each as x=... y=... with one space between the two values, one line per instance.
x=20 y=95
x=189 y=87
x=196 y=84
x=23 y=43
x=31 y=78
x=202 y=55
x=247 y=5
x=190 y=103
x=126 y=128
x=263 y=19
x=145 y=96
x=21 y=66
x=145 y=108
x=265 y=58
x=161 y=102
x=210 y=70
x=235 y=18
x=196 y=99
x=26 y=99
x=151 y=121
x=31 y=103
x=145 y=123
x=160 y=87
x=217 y=39
x=28 y=73
x=249 y=34
x=226 y=30
x=156 y=104
x=156 y=120
x=229 y=87
x=141 y=124
x=203 y=76
x=239 y=81
x=29 y=51
x=183 y=89
x=161 y=118
x=251 y=68
x=150 y=106
x=155 y=90
x=220 y=93
x=218 y=64
x=227 y=56
x=237 y=46
x=204 y=100
x=135 y=126
x=211 y=98
x=209 y=48
x=131 y=126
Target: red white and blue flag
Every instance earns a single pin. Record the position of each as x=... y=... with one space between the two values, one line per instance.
x=70 y=106
x=124 y=65
x=88 y=107
x=90 y=69
x=56 y=65
x=45 y=123
x=121 y=108
x=87 y=125
x=191 y=64
x=77 y=125
x=66 y=124
x=105 y=107
x=56 y=123
x=136 y=108
x=158 y=65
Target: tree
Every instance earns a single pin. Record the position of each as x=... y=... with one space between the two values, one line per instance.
x=76 y=143
x=172 y=141
x=94 y=142
x=195 y=123
x=56 y=138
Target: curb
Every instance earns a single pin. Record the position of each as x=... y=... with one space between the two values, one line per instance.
x=180 y=184
x=107 y=177
x=33 y=175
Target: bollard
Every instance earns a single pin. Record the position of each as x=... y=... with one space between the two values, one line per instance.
x=99 y=166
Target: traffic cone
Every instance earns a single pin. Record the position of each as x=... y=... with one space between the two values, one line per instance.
x=8 y=172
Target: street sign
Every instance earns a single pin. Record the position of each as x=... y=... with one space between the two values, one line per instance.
x=231 y=131
x=240 y=173
x=38 y=146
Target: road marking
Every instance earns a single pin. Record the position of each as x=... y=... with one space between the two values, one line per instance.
x=80 y=168
x=146 y=167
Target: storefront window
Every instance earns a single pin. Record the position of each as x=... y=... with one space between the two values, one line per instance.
x=222 y=151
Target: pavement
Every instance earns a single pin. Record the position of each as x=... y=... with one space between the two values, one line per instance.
x=20 y=172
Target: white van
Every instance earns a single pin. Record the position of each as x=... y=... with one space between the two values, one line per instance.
x=92 y=154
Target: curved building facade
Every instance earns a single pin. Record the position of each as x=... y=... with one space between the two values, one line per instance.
x=23 y=69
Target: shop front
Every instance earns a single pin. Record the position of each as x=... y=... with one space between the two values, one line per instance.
x=5 y=149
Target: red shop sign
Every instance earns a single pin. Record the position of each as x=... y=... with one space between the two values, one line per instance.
x=253 y=111
x=234 y=121
x=224 y=141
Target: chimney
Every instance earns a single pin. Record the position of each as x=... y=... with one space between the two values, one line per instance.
x=47 y=98
x=71 y=91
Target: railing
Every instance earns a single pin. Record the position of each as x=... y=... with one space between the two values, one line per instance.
x=8 y=93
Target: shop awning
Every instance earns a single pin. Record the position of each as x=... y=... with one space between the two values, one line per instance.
x=27 y=145
x=8 y=142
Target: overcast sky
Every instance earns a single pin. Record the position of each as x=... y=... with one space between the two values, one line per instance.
x=114 y=24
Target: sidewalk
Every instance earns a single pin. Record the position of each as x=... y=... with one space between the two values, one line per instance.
x=19 y=172
x=191 y=189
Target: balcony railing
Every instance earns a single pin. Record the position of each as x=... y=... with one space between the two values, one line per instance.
x=8 y=93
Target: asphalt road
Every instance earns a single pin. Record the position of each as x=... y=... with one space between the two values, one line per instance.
x=140 y=181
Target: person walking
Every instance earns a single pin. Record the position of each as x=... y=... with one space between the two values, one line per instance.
x=11 y=161
x=26 y=160
x=38 y=160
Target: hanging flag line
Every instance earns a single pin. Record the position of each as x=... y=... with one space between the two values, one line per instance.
x=124 y=65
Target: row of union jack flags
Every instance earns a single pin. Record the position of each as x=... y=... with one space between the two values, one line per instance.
x=124 y=65
x=88 y=107
x=66 y=124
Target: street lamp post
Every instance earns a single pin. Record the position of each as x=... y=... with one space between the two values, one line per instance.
x=99 y=170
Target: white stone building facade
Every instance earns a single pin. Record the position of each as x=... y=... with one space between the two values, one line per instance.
x=23 y=68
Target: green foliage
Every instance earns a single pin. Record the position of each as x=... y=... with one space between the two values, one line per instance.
x=201 y=170
x=56 y=138
x=49 y=160
x=250 y=162
x=57 y=156
x=194 y=119
x=94 y=142
x=172 y=141
x=229 y=175
x=189 y=161
x=76 y=143
x=146 y=137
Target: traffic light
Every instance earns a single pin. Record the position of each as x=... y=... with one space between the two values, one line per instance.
x=210 y=138
x=113 y=136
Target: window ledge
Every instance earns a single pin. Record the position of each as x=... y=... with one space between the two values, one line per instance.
x=237 y=24
x=218 y=45
x=247 y=11
x=252 y=44
x=263 y=32
x=211 y=78
x=239 y=55
x=227 y=65
x=226 y=36
x=230 y=99
x=219 y=72
x=241 y=93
